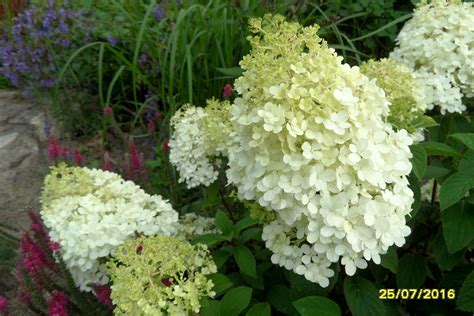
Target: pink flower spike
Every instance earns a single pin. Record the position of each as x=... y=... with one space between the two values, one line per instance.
x=54 y=246
x=158 y=116
x=3 y=304
x=135 y=160
x=64 y=152
x=53 y=147
x=102 y=292
x=57 y=304
x=228 y=90
x=150 y=126
x=108 y=111
x=78 y=158
x=107 y=163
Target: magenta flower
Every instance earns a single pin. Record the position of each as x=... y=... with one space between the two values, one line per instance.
x=151 y=126
x=3 y=304
x=102 y=292
x=78 y=158
x=228 y=90
x=166 y=147
x=108 y=111
x=57 y=304
x=53 y=147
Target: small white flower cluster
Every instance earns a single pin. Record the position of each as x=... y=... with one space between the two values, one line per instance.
x=192 y=225
x=199 y=136
x=89 y=223
x=438 y=45
x=311 y=143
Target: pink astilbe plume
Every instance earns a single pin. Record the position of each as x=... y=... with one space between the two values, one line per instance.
x=53 y=147
x=57 y=304
x=102 y=292
x=107 y=164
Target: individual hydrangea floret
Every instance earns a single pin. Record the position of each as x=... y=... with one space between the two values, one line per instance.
x=90 y=212
x=160 y=276
x=438 y=45
x=192 y=225
x=200 y=135
x=311 y=143
x=407 y=107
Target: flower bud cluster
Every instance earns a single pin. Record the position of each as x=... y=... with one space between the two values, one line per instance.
x=437 y=44
x=167 y=276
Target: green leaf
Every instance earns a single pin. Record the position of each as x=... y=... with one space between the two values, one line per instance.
x=251 y=233
x=362 y=297
x=454 y=188
x=435 y=172
x=260 y=309
x=244 y=223
x=458 y=226
x=213 y=309
x=279 y=297
x=465 y=301
x=208 y=239
x=221 y=283
x=419 y=160
x=300 y=287
x=423 y=122
x=411 y=271
x=233 y=72
x=220 y=257
x=235 y=301
x=440 y=149
x=316 y=305
x=390 y=259
x=445 y=260
x=223 y=223
x=466 y=138
x=246 y=261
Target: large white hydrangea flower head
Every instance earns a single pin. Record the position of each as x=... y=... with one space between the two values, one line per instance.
x=200 y=136
x=438 y=45
x=311 y=143
x=89 y=212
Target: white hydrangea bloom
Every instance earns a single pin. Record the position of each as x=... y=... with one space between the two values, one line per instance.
x=199 y=136
x=312 y=144
x=90 y=212
x=192 y=225
x=438 y=45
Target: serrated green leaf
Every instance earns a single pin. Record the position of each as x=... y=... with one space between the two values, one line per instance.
x=458 y=226
x=221 y=283
x=244 y=223
x=390 y=260
x=439 y=149
x=213 y=309
x=362 y=297
x=260 y=309
x=223 y=223
x=246 y=261
x=235 y=301
x=435 y=172
x=220 y=257
x=419 y=160
x=316 y=305
x=445 y=260
x=466 y=138
x=465 y=301
x=251 y=233
x=411 y=271
x=454 y=188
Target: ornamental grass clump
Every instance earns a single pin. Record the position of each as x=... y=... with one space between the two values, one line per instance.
x=407 y=107
x=312 y=144
x=200 y=136
x=437 y=44
x=160 y=276
x=90 y=212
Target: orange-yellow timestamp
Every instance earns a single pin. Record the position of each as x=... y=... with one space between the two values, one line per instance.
x=417 y=294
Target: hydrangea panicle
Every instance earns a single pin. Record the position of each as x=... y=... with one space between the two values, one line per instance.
x=311 y=143
x=168 y=277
